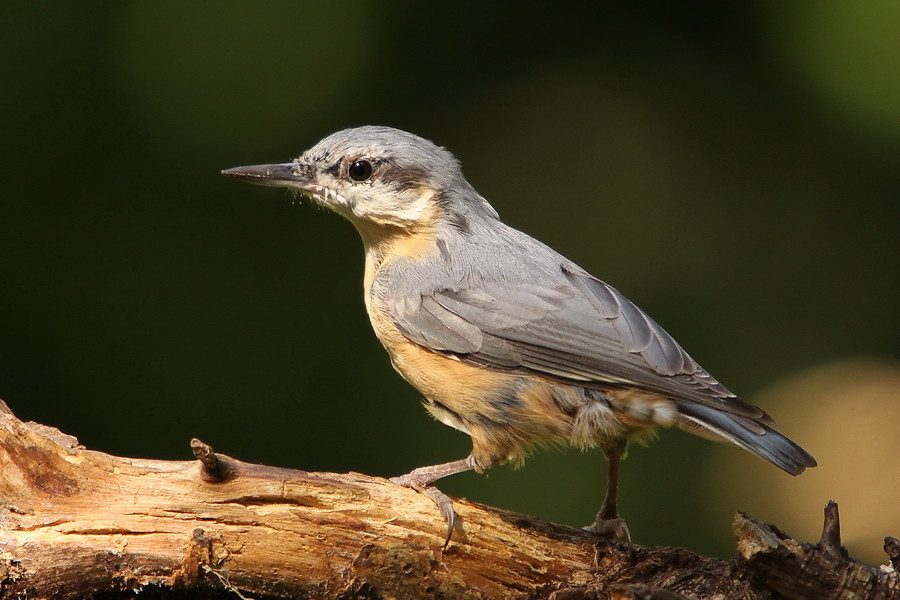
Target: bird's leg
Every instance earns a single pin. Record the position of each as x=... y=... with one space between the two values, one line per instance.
x=422 y=480
x=608 y=523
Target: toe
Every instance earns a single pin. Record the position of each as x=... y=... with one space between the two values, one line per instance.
x=610 y=529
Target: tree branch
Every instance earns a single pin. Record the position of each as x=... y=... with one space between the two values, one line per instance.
x=75 y=523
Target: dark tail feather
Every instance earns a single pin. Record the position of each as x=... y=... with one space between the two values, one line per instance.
x=756 y=437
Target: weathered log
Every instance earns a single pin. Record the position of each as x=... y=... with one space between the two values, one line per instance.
x=76 y=523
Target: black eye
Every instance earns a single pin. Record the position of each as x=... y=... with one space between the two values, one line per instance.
x=360 y=170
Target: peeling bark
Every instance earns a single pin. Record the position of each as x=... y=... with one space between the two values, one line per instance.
x=76 y=523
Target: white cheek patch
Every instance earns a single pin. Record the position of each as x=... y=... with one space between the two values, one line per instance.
x=404 y=209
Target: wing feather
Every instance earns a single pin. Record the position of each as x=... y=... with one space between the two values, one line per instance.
x=427 y=323
x=579 y=330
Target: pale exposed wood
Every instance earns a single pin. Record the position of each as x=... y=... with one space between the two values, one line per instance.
x=75 y=522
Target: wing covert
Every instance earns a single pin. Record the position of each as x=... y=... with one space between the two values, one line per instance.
x=579 y=330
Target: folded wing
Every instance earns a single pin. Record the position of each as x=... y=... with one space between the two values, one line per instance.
x=579 y=330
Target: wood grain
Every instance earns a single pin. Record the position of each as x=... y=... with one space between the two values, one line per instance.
x=75 y=523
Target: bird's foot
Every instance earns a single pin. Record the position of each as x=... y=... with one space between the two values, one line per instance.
x=422 y=480
x=610 y=529
x=442 y=500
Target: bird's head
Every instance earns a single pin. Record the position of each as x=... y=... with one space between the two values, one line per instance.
x=377 y=177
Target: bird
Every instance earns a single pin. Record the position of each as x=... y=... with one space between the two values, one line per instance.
x=506 y=339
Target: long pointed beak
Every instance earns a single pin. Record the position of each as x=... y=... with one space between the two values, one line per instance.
x=293 y=175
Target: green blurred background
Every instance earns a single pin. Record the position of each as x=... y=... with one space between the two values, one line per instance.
x=734 y=168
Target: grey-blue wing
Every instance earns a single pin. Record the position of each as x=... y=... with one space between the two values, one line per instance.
x=579 y=330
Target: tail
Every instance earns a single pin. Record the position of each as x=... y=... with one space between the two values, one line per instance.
x=758 y=438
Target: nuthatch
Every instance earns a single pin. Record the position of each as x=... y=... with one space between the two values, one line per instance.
x=506 y=339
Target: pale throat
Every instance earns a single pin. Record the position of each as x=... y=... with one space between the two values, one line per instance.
x=385 y=242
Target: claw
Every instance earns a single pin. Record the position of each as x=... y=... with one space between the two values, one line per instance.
x=610 y=529
x=445 y=505
x=422 y=479
x=442 y=500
